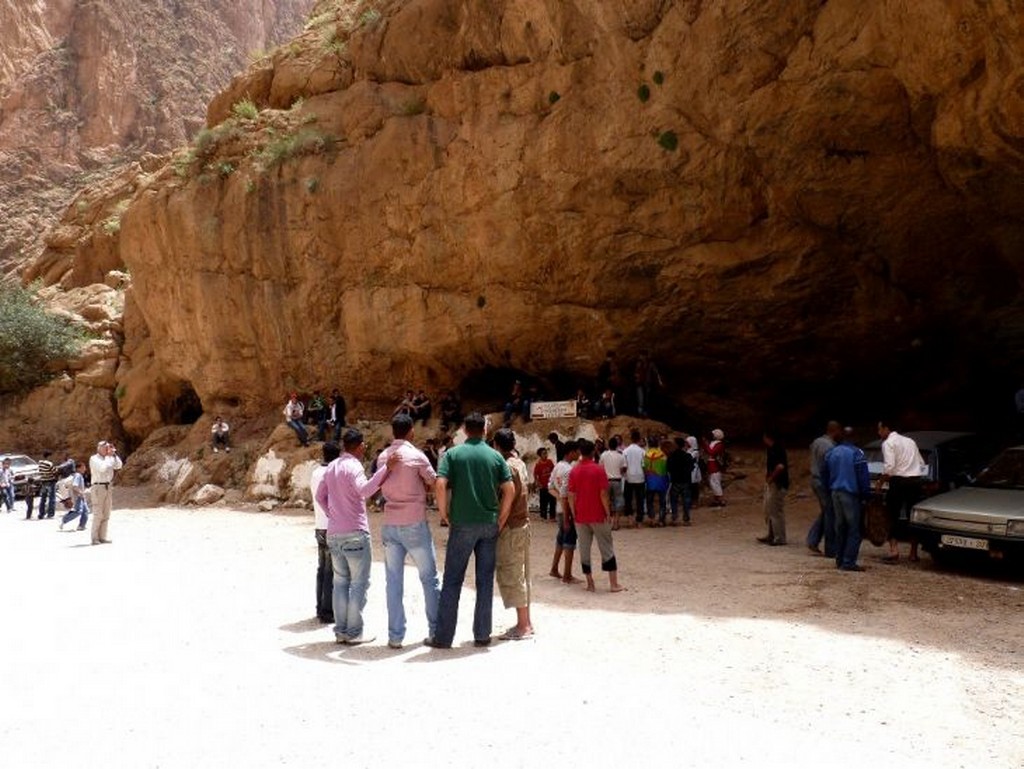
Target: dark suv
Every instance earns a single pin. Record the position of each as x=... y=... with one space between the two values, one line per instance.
x=953 y=459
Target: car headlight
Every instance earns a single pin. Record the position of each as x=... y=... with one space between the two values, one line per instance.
x=920 y=515
x=1015 y=528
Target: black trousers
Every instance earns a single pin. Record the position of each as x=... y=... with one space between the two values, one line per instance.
x=547 y=504
x=635 y=492
x=900 y=499
x=324 y=578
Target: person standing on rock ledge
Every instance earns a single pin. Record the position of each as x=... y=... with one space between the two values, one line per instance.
x=102 y=466
x=293 y=410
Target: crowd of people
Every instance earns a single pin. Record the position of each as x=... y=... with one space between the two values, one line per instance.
x=327 y=415
x=842 y=485
x=486 y=513
x=481 y=490
x=73 y=488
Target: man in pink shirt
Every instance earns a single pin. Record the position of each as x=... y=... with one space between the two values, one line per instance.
x=405 y=528
x=343 y=494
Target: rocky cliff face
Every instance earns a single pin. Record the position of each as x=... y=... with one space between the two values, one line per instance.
x=795 y=205
x=88 y=86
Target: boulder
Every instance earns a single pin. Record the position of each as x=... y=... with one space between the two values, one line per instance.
x=207 y=494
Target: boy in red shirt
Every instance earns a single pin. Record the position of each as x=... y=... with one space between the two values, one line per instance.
x=541 y=477
x=590 y=505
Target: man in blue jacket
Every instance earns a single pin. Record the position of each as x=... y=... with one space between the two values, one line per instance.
x=845 y=474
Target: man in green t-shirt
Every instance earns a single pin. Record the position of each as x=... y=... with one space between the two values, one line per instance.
x=482 y=492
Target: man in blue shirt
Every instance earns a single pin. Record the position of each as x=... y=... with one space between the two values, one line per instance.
x=845 y=474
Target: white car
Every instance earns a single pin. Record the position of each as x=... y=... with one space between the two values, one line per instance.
x=25 y=469
x=986 y=517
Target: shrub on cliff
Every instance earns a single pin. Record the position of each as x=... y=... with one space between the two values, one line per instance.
x=31 y=339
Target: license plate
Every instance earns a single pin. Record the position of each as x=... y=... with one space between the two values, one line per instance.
x=971 y=543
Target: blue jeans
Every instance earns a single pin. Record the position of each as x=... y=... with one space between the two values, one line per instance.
x=414 y=539
x=80 y=511
x=47 y=499
x=300 y=430
x=824 y=525
x=465 y=539
x=847 y=511
x=662 y=496
x=351 y=558
x=7 y=497
x=681 y=491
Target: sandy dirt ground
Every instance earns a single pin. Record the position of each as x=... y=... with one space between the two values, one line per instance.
x=189 y=642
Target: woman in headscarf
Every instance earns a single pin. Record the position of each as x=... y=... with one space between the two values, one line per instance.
x=716 y=463
x=696 y=477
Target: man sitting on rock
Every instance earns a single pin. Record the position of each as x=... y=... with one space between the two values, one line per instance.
x=220 y=431
x=293 y=411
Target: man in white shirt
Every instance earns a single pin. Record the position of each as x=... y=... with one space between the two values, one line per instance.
x=324 y=569
x=614 y=467
x=293 y=411
x=102 y=466
x=635 y=478
x=565 y=537
x=903 y=468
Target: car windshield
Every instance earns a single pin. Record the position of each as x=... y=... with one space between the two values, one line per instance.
x=21 y=461
x=1005 y=472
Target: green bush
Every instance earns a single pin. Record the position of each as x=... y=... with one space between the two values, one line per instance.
x=31 y=339
x=554 y=97
x=669 y=141
x=643 y=93
x=245 y=109
x=307 y=141
x=659 y=77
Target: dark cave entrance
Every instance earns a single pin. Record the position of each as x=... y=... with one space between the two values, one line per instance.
x=183 y=407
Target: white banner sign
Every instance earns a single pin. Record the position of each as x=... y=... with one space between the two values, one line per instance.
x=552 y=409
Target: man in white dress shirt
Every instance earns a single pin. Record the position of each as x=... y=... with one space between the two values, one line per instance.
x=102 y=466
x=902 y=467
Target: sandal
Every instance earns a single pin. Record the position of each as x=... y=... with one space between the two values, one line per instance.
x=515 y=634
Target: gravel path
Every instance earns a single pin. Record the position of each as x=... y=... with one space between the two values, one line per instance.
x=188 y=643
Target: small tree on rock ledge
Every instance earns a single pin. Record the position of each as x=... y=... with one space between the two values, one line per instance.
x=31 y=339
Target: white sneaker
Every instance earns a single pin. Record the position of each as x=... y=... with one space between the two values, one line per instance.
x=216 y=450
x=361 y=639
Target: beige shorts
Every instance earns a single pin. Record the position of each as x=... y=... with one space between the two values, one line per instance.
x=513 y=567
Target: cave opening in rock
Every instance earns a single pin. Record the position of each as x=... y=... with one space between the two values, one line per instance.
x=488 y=388
x=182 y=407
